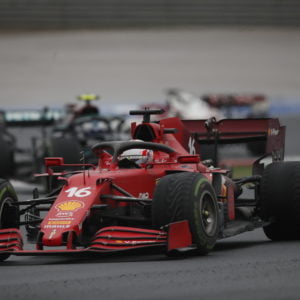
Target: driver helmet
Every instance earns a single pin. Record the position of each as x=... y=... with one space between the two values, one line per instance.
x=139 y=156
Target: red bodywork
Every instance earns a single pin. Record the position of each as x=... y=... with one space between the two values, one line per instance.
x=71 y=216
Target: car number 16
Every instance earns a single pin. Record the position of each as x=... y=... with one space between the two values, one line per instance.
x=75 y=191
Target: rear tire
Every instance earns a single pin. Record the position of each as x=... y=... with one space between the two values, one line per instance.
x=9 y=213
x=280 y=200
x=188 y=196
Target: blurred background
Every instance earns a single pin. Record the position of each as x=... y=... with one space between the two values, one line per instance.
x=136 y=53
x=130 y=51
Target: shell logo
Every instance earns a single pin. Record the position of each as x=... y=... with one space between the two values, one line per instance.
x=71 y=205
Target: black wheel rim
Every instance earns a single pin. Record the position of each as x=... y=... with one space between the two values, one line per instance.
x=208 y=213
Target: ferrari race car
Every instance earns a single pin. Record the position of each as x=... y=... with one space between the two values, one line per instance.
x=154 y=191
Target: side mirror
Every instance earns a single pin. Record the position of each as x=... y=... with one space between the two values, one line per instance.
x=189 y=159
x=53 y=161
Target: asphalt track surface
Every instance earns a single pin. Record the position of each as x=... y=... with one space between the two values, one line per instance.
x=55 y=66
x=244 y=267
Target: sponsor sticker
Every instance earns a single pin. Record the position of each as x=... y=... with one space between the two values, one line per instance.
x=64 y=214
x=57 y=226
x=69 y=206
x=273 y=132
x=60 y=218
x=60 y=222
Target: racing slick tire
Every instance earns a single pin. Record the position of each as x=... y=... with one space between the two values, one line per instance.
x=188 y=196
x=280 y=200
x=66 y=147
x=9 y=213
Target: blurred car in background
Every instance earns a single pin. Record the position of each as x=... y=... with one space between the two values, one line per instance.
x=239 y=105
x=27 y=136
x=189 y=106
x=77 y=130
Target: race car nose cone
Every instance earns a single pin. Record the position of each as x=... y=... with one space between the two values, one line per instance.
x=52 y=238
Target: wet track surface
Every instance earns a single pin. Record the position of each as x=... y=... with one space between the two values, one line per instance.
x=247 y=266
x=244 y=267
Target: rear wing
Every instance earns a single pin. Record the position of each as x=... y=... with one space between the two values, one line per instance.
x=43 y=117
x=230 y=131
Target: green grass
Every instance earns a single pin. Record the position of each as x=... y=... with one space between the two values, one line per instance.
x=241 y=171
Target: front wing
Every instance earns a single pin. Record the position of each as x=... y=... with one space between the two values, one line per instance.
x=175 y=237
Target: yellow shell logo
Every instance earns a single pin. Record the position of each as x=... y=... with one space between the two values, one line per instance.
x=71 y=205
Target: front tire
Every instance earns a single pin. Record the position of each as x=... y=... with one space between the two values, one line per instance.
x=188 y=196
x=9 y=213
x=280 y=200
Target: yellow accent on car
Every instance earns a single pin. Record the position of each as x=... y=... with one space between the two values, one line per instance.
x=88 y=97
x=69 y=206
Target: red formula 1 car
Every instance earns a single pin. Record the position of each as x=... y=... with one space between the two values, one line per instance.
x=154 y=191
